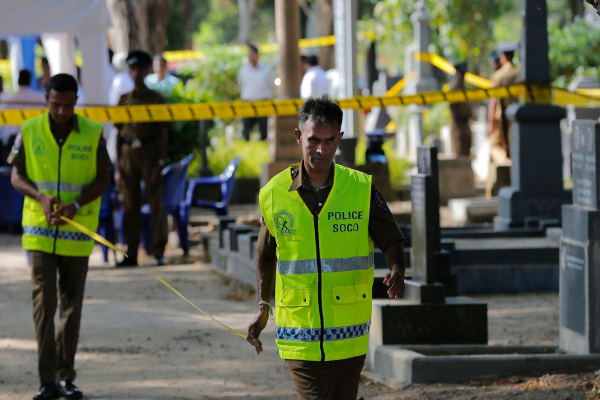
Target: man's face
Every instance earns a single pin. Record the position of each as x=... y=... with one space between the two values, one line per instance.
x=138 y=73
x=253 y=56
x=496 y=65
x=319 y=144
x=305 y=66
x=159 y=67
x=61 y=105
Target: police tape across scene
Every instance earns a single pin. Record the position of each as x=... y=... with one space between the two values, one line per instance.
x=205 y=111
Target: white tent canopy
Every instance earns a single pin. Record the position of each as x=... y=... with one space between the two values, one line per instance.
x=58 y=22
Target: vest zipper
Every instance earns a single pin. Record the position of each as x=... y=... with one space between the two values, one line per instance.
x=320 y=284
x=58 y=195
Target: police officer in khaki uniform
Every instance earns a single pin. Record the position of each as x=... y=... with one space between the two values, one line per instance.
x=141 y=156
x=498 y=124
x=314 y=186
x=461 y=113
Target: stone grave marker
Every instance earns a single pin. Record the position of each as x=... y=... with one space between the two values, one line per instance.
x=580 y=246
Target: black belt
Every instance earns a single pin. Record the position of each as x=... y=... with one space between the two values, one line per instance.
x=143 y=141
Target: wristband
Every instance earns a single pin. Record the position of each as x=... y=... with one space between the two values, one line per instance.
x=77 y=206
x=270 y=308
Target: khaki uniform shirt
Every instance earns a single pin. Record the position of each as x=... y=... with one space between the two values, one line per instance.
x=17 y=155
x=140 y=130
x=383 y=228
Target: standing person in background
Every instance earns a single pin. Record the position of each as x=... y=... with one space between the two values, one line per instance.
x=24 y=97
x=498 y=124
x=161 y=80
x=462 y=113
x=141 y=156
x=314 y=82
x=43 y=81
x=59 y=159
x=122 y=82
x=1 y=86
x=495 y=60
x=257 y=82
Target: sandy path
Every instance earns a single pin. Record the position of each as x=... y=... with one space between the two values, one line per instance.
x=140 y=341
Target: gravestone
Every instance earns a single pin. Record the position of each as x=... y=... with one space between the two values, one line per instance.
x=424 y=80
x=427 y=258
x=536 y=193
x=580 y=246
x=426 y=315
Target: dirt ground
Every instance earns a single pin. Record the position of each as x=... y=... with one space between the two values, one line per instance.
x=140 y=341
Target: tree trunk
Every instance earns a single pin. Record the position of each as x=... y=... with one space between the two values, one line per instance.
x=326 y=59
x=245 y=13
x=139 y=25
x=577 y=8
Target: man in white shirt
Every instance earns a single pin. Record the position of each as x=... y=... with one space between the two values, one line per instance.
x=122 y=82
x=257 y=82
x=315 y=82
x=24 y=97
x=161 y=80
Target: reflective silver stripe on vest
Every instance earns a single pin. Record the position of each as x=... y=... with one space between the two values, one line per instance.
x=327 y=265
x=64 y=187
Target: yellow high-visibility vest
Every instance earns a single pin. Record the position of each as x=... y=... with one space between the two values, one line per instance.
x=65 y=173
x=324 y=270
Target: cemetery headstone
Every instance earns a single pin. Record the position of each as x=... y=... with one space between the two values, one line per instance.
x=580 y=246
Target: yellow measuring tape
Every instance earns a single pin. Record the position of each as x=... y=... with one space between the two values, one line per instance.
x=105 y=242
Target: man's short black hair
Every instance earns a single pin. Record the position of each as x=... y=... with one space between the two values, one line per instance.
x=45 y=61
x=253 y=47
x=62 y=83
x=24 y=78
x=322 y=110
x=313 y=60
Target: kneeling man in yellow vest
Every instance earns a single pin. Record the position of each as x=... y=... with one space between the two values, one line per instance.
x=59 y=161
x=320 y=224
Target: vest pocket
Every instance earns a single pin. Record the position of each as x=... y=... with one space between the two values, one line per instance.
x=351 y=304
x=294 y=298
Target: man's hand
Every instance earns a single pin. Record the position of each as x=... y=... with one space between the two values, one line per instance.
x=47 y=203
x=395 y=280
x=256 y=327
x=67 y=210
x=156 y=174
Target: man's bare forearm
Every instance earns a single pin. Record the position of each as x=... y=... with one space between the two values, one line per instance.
x=23 y=185
x=265 y=273
x=395 y=257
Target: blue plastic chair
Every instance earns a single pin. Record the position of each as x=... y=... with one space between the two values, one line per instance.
x=11 y=202
x=106 y=226
x=226 y=180
x=174 y=182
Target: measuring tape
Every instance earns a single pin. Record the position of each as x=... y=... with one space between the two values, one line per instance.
x=105 y=242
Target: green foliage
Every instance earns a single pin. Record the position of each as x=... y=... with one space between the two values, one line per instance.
x=253 y=153
x=461 y=29
x=184 y=20
x=574 y=51
x=398 y=166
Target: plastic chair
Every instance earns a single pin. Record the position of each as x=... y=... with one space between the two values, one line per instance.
x=106 y=226
x=226 y=180
x=11 y=202
x=174 y=181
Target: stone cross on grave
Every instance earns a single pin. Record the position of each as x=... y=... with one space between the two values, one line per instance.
x=579 y=289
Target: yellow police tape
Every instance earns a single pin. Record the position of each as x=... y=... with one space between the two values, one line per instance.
x=445 y=66
x=105 y=242
x=204 y=111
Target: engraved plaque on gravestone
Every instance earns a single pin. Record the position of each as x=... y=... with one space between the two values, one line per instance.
x=572 y=298
x=423 y=227
x=585 y=150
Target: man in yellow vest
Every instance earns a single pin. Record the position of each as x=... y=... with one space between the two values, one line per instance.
x=320 y=223
x=60 y=164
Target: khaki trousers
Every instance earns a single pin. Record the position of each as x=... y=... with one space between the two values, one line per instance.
x=138 y=166
x=56 y=356
x=329 y=380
